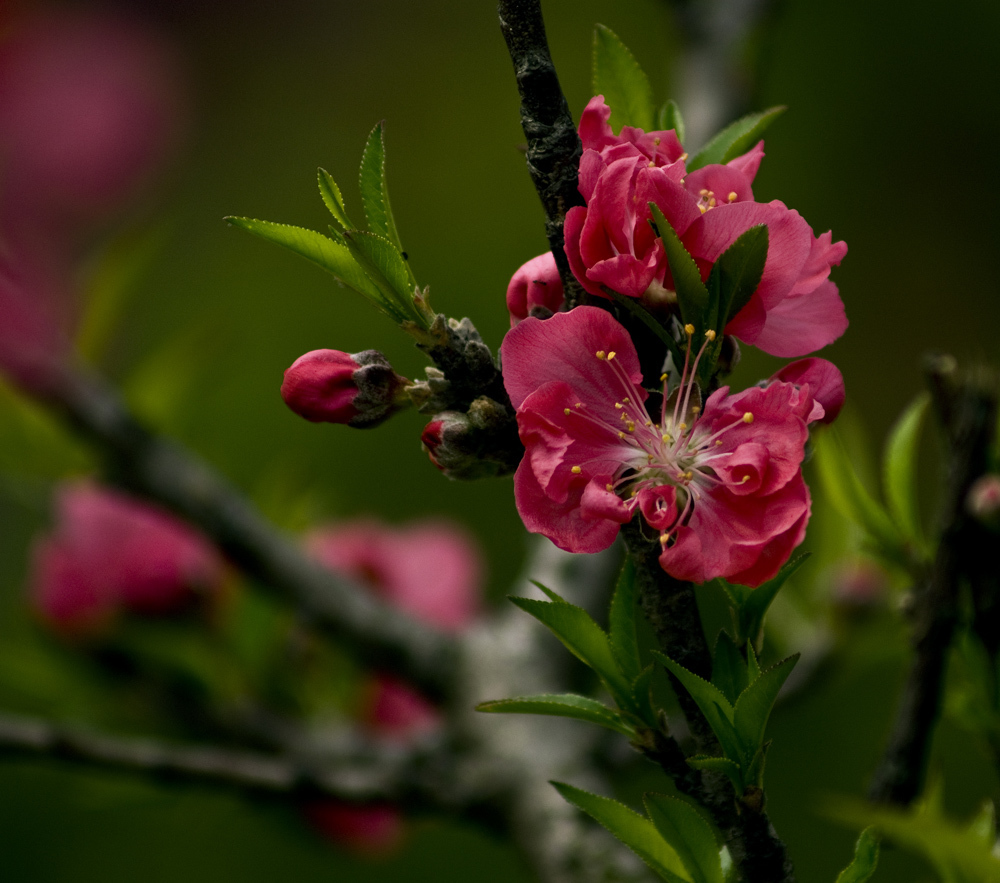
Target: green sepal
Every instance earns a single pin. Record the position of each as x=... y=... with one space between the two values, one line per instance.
x=729 y=671
x=670 y=118
x=622 y=82
x=713 y=704
x=563 y=705
x=683 y=827
x=899 y=471
x=720 y=765
x=637 y=832
x=621 y=623
x=375 y=195
x=750 y=606
x=865 y=859
x=849 y=496
x=753 y=708
x=332 y=256
x=333 y=199
x=737 y=138
x=692 y=295
x=585 y=639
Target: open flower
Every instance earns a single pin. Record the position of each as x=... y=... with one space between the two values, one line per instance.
x=609 y=242
x=721 y=485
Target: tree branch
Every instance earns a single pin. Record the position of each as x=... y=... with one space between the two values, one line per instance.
x=967 y=410
x=153 y=467
x=672 y=609
x=554 y=147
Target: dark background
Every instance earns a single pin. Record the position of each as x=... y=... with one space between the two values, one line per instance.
x=889 y=140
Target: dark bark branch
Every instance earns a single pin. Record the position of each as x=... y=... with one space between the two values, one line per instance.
x=967 y=410
x=153 y=467
x=554 y=148
x=672 y=609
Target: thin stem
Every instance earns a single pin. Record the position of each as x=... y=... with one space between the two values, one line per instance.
x=672 y=610
x=968 y=413
x=554 y=148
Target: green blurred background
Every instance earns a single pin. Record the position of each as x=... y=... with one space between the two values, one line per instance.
x=889 y=141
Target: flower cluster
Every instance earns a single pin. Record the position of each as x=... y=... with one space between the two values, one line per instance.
x=433 y=572
x=718 y=481
x=109 y=552
x=795 y=310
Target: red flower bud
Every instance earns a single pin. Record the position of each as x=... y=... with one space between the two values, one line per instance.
x=825 y=382
x=370 y=829
x=535 y=289
x=330 y=386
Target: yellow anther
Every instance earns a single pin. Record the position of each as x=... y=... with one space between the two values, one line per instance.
x=611 y=355
x=745 y=479
x=718 y=442
x=652 y=164
x=656 y=141
x=626 y=398
x=621 y=434
x=667 y=437
x=578 y=405
x=683 y=157
x=601 y=354
x=711 y=202
x=689 y=475
x=696 y=410
x=663 y=538
x=703 y=192
x=648 y=423
x=630 y=426
x=567 y=411
x=609 y=487
x=689 y=329
x=663 y=377
x=619 y=405
x=748 y=417
x=682 y=427
x=576 y=470
x=702 y=208
x=732 y=196
x=710 y=334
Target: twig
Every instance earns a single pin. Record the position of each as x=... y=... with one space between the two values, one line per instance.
x=968 y=413
x=672 y=610
x=153 y=467
x=554 y=148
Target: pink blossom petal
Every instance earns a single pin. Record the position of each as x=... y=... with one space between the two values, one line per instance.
x=803 y=324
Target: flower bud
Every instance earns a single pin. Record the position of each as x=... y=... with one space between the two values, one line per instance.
x=330 y=386
x=481 y=443
x=369 y=829
x=826 y=383
x=983 y=500
x=535 y=289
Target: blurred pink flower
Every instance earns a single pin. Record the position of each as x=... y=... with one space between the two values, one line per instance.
x=90 y=108
x=432 y=571
x=721 y=485
x=609 y=242
x=109 y=552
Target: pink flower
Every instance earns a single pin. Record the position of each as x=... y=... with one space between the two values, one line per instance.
x=331 y=386
x=432 y=571
x=826 y=383
x=721 y=485
x=535 y=289
x=109 y=552
x=609 y=242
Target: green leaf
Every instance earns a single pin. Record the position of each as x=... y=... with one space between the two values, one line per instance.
x=750 y=606
x=713 y=704
x=632 y=305
x=620 y=79
x=740 y=268
x=330 y=192
x=692 y=295
x=562 y=705
x=552 y=596
x=899 y=465
x=683 y=827
x=624 y=643
x=641 y=693
x=735 y=139
x=637 y=832
x=754 y=705
x=585 y=639
x=753 y=664
x=324 y=252
x=386 y=268
x=865 y=858
x=375 y=196
x=729 y=671
x=848 y=495
x=670 y=118
x=720 y=765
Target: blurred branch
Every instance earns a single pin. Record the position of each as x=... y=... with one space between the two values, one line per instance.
x=554 y=148
x=715 y=82
x=672 y=610
x=153 y=467
x=967 y=410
